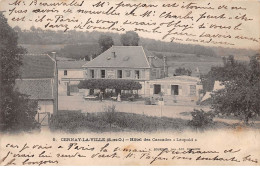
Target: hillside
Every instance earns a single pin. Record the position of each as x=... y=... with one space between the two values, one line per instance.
x=80 y=45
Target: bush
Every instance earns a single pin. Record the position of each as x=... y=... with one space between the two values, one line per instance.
x=110 y=114
x=201 y=119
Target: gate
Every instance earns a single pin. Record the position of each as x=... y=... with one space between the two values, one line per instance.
x=43 y=118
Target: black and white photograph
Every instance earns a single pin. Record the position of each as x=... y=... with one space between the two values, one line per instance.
x=129 y=83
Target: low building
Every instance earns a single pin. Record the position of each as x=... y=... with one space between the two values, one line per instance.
x=70 y=73
x=175 y=87
x=126 y=62
x=37 y=80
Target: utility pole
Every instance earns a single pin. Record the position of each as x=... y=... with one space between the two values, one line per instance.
x=56 y=83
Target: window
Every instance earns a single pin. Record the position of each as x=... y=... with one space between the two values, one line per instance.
x=92 y=73
x=103 y=74
x=137 y=74
x=65 y=72
x=119 y=74
x=175 y=90
x=157 y=89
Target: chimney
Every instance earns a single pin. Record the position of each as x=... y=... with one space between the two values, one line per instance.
x=114 y=54
x=165 y=69
x=150 y=60
x=54 y=55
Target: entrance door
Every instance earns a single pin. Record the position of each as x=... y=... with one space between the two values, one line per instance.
x=157 y=89
x=175 y=90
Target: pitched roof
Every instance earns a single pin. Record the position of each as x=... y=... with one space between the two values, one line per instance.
x=70 y=64
x=124 y=57
x=37 y=66
x=35 y=88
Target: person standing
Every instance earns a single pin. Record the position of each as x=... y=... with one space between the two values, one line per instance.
x=100 y=96
x=119 y=97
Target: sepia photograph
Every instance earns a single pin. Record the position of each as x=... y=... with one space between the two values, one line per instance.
x=129 y=83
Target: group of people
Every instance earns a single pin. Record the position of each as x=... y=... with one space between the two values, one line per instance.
x=101 y=96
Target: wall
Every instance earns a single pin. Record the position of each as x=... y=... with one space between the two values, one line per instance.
x=73 y=77
x=71 y=73
x=111 y=73
x=184 y=89
x=45 y=106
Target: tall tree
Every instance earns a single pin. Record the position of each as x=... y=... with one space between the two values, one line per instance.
x=105 y=42
x=242 y=90
x=183 y=71
x=16 y=111
x=130 y=38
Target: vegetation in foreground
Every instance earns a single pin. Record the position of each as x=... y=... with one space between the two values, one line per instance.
x=17 y=111
x=112 y=121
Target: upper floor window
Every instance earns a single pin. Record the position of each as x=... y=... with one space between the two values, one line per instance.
x=103 y=73
x=65 y=72
x=119 y=74
x=137 y=74
x=92 y=73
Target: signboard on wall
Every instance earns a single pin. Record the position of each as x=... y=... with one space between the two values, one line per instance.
x=111 y=74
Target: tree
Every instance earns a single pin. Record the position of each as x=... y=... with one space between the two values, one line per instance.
x=105 y=42
x=130 y=38
x=32 y=28
x=17 y=112
x=242 y=90
x=17 y=29
x=182 y=71
x=103 y=84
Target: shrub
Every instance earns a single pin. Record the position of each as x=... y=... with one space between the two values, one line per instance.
x=110 y=114
x=201 y=119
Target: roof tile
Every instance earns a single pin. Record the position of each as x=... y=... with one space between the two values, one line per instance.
x=35 y=88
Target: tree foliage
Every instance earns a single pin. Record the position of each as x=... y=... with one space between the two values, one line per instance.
x=103 y=84
x=105 y=42
x=182 y=71
x=242 y=89
x=130 y=38
x=16 y=111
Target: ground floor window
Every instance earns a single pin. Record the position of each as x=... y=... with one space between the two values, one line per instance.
x=175 y=90
x=157 y=89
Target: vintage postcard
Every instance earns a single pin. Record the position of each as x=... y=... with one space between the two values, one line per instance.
x=129 y=82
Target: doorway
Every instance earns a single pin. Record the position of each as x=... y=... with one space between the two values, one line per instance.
x=157 y=89
x=175 y=90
